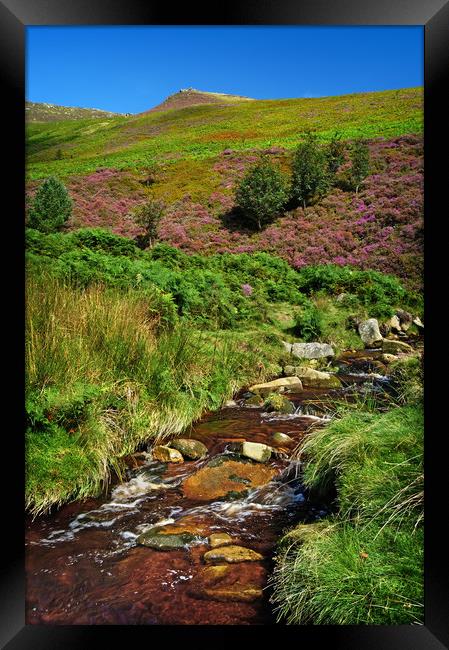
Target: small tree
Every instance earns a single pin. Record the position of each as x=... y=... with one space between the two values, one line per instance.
x=335 y=155
x=52 y=206
x=148 y=216
x=310 y=175
x=262 y=193
x=359 y=164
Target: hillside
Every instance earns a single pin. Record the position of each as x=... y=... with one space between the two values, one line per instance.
x=192 y=157
x=43 y=112
x=191 y=97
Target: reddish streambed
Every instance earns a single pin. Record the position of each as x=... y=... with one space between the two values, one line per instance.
x=84 y=566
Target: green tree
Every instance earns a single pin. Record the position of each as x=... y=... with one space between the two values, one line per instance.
x=359 y=164
x=262 y=193
x=310 y=175
x=148 y=216
x=335 y=154
x=52 y=206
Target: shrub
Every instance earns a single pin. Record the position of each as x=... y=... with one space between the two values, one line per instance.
x=334 y=155
x=309 y=324
x=148 y=216
x=261 y=194
x=310 y=175
x=359 y=164
x=51 y=207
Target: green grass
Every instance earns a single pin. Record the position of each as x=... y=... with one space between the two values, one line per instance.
x=364 y=565
x=203 y=132
x=103 y=378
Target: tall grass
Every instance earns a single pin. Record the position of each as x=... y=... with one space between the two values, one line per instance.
x=101 y=379
x=364 y=565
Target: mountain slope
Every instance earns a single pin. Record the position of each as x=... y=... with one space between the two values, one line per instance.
x=193 y=157
x=43 y=112
x=191 y=97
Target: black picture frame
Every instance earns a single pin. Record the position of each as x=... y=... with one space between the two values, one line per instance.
x=15 y=15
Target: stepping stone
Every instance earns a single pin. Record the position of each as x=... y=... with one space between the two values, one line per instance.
x=232 y=554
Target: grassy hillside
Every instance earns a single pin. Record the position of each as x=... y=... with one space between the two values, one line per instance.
x=43 y=112
x=202 y=132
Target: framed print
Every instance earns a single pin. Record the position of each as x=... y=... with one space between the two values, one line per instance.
x=226 y=292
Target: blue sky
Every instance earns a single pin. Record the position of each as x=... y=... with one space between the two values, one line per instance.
x=131 y=69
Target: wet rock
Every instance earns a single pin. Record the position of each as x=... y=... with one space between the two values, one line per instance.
x=317 y=378
x=228 y=583
x=256 y=451
x=226 y=480
x=219 y=539
x=281 y=438
x=272 y=386
x=405 y=319
x=232 y=554
x=164 y=542
x=388 y=358
x=189 y=448
x=278 y=403
x=392 y=347
x=312 y=350
x=254 y=400
x=166 y=454
x=370 y=333
x=394 y=324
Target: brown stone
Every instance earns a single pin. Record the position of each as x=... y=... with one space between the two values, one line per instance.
x=167 y=455
x=229 y=583
x=231 y=476
x=232 y=554
x=219 y=539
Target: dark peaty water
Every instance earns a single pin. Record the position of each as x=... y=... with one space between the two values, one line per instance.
x=83 y=564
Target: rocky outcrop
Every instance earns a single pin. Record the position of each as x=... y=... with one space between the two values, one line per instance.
x=293 y=383
x=189 y=448
x=312 y=350
x=229 y=479
x=370 y=333
x=232 y=554
x=166 y=454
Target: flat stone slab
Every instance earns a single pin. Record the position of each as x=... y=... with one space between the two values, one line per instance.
x=272 y=386
x=219 y=539
x=232 y=554
x=229 y=583
x=164 y=542
x=312 y=350
x=316 y=378
x=392 y=347
x=227 y=480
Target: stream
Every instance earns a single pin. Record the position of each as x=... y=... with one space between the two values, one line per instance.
x=84 y=566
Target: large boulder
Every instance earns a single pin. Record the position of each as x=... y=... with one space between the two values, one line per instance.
x=256 y=451
x=189 y=448
x=312 y=350
x=317 y=378
x=392 y=347
x=229 y=479
x=293 y=383
x=231 y=554
x=370 y=333
x=166 y=454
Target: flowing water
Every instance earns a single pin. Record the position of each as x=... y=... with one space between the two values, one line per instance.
x=84 y=566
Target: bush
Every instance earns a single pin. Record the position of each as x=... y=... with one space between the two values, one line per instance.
x=148 y=216
x=310 y=174
x=359 y=164
x=262 y=193
x=51 y=207
x=308 y=325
